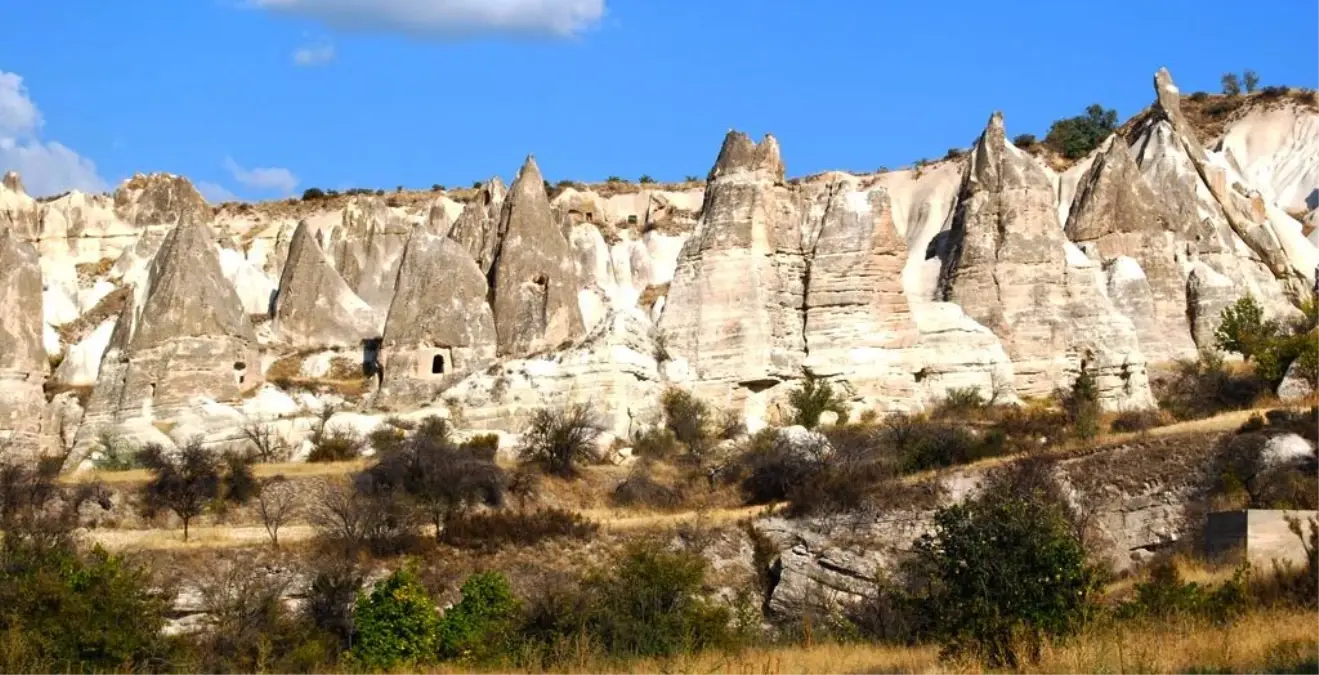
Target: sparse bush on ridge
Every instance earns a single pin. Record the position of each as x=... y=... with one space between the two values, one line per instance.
x=813 y=398
x=559 y=440
x=1075 y=137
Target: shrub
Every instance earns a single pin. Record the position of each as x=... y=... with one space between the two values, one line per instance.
x=277 y=502
x=560 y=439
x=1200 y=96
x=645 y=179
x=954 y=153
x=688 y=418
x=641 y=489
x=654 y=443
x=483 y=623
x=396 y=624
x=958 y=402
x=1024 y=140
x=331 y=596
x=267 y=445
x=1242 y=329
x=497 y=529
x=114 y=453
x=239 y=484
x=921 y=445
x=336 y=445
x=771 y=467
x=1231 y=84
x=443 y=480
x=312 y=193
x=1075 y=137
x=1204 y=387
x=1165 y=595
x=184 y=484
x=1081 y=404
x=1000 y=572
x=481 y=446
x=1250 y=79
x=812 y=399
x=363 y=517
x=1129 y=421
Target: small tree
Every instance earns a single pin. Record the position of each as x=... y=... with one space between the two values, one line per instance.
x=999 y=571
x=277 y=503
x=442 y=479
x=1231 y=84
x=267 y=444
x=1082 y=405
x=813 y=398
x=645 y=179
x=1075 y=137
x=185 y=483
x=482 y=623
x=396 y=623
x=1242 y=329
x=1251 y=79
x=560 y=439
x=312 y=193
x=1024 y=140
x=688 y=418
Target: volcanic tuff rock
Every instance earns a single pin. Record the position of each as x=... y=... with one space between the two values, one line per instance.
x=367 y=247
x=22 y=357
x=478 y=226
x=1116 y=210
x=439 y=325
x=1010 y=266
x=535 y=285
x=160 y=199
x=184 y=338
x=313 y=306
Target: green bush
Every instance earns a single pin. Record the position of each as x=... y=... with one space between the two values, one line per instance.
x=312 y=193
x=959 y=402
x=1075 y=137
x=336 y=445
x=185 y=482
x=1081 y=403
x=1272 y=346
x=688 y=418
x=1165 y=595
x=641 y=489
x=812 y=399
x=1231 y=84
x=114 y=453
x=560 y=439
x=1002 y=572
x=396 y=624
x=1242 y=329
x=1024 y=140
x=483 y=623
x=1204 y=387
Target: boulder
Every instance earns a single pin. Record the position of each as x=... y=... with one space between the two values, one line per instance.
x=1009 y=265
x=535 y=285
x=439 y=325
x=22 y=352
x=1284 y=450
x=1294 y=385
x=182 y=340
x=314 y=306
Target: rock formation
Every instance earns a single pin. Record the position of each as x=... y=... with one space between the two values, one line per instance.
x=18 y=211
x=313 y=306
x=439 y=325
x=367 y=247
x=160 y=199
x=1116 y=211
x=535 y=285
x=22 y=357
x=183 y=339
x=478 y=226
x=1012 y=269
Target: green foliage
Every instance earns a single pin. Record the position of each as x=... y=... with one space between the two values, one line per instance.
x=115 y=453
x=68 y=611
x=184 y=483
x=1204 y=387
x=440 y=478
x=1272 y=346
x=312 y=193
x=1024 y=140
x=483 y=623
x=693 y=179
x=1231 y=84
x=560 y=439
x=1165 y=595
x=239 y=485
x=1129 y=421
x=1075 y=137
x=396 y=624
x=645 y=179
x=1081 y=404
x=1242 y=328
x=812 y=399
x=336 y=445
x=960 y=401
x=1250 y=79
x=999 y=572
x=688 y=418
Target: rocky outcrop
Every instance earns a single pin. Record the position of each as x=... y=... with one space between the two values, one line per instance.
x=535 y=285
x=733 y=311
x=18 y=212
x=160 y=199
x=313 y=306
x=22 y=356
x=478 y=226
x=183 y=340
x=1119 y=216
x=367 y=247
x=439 y=326
x=1010 y=267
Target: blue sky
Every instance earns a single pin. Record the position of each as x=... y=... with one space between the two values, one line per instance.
x=264 y=98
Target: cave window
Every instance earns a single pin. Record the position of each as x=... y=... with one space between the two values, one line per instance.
x=590 y=216
x=631 y=220
x=437 y=364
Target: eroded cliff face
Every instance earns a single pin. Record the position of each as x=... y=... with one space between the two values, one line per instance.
x=989 y=271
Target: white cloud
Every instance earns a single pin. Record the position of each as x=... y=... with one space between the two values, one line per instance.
x=216 y=193
x=314 y=55
x=449 y=18
x=274 y=179
x=47 y=167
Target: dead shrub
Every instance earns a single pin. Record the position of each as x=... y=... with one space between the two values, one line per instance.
x=1205 y=387
x=1131 y=421
x=559 y=439
x=497 y=529
x=640 y=489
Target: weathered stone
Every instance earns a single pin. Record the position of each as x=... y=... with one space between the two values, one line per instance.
x=1116 y=210
x=160 y=199
x=478 y=226
x=1294 y=385
x=1208 y=293
x=1285 y=449
x=367 y=247
x=1010 y=267
x=314 y=306
x=439 y=326
x=22 y=355
x=19 y=213
x=182 y=340
x=535 y=286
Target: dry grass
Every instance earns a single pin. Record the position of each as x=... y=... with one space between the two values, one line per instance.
x=88 y=272
x=111 y=305
x=286 y=469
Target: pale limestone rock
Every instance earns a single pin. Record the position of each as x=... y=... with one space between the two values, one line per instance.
x=1008 y=266
x=82 y=361
x=1208 y=293
x=160 y=199
x=255 y=289
x=19 y=213
x=477 y=228
x=22 y=354
x=313 y=306
x=1116 y=211
x=367 y=247
x=1294 y=387
x=1285 y=449
x=439 y=326
x=535 y=285
x=184 y=339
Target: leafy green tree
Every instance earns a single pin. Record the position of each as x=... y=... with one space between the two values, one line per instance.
x=812 y=399
x=1075 y=137
x=396 y=624
x=1000 y=572
x=1082 y=405
x=1243 y=329
x=482 y=624
x=1231 y=84
x=185 y=483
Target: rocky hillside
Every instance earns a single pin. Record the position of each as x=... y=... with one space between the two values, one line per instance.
x=151 y=315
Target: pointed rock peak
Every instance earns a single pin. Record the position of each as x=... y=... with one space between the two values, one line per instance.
x=160 y=198
x=529 y=176
x=301 y=233
x=740 y=154
x=13 y=182
x=1166 y=90
x=996 y=130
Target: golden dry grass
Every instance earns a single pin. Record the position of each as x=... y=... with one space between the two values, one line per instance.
x=286 y=469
